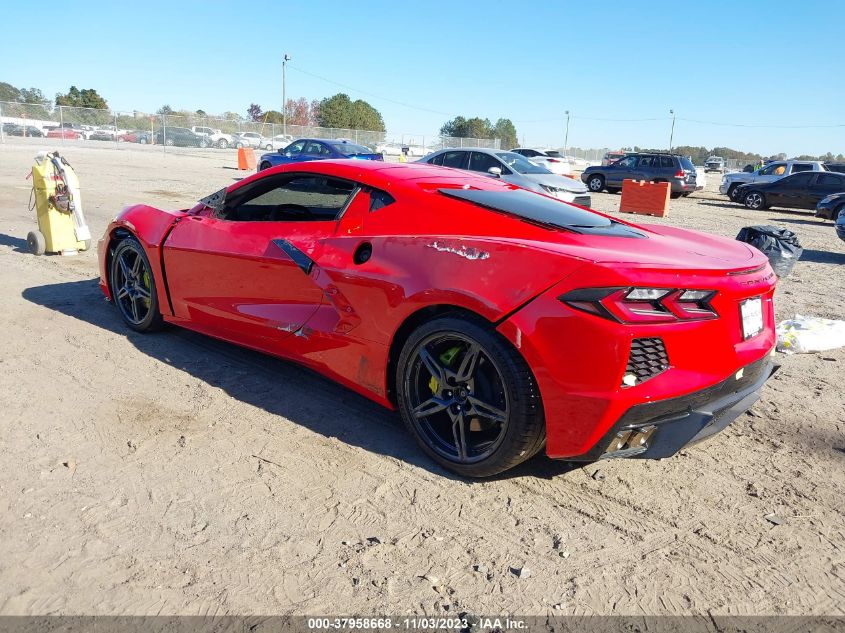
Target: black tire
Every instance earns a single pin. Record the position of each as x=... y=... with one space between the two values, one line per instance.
x=36 y=242
x=264 y=165
x=595 y=183
x=130 y=273
x=222 y=143
x=497 y=388
x=203 y=143
x=613 y=190
x=755 y=200
x=732 y=192
x=239 y=145
x=675 y=195
x=170 y=142
x=143 y=140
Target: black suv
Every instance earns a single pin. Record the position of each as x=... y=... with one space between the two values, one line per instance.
x=652 y=166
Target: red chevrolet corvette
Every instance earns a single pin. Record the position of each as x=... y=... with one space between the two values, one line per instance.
x=497 y=320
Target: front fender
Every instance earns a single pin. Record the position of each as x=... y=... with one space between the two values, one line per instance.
x=150 y=226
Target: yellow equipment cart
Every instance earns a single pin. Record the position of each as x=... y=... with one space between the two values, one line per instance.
x=61 y=224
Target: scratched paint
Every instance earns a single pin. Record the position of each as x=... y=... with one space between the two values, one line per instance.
x=461 y=251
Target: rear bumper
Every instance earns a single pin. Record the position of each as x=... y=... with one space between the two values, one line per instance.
x=657 y=430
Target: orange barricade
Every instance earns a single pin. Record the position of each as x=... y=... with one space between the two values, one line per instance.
x=246 y=158
x=645 y=198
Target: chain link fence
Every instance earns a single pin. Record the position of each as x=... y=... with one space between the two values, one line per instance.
x=68 y=124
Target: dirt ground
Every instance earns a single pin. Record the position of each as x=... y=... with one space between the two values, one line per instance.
x=174 y=474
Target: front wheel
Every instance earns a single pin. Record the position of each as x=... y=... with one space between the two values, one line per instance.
x=468 y=397
x=222 y=143
x=264 y=165
x=755 y=200
x=732 y=192
x=133 y=287
x=170 y=142
x=595 y=183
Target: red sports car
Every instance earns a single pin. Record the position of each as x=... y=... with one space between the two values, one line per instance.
x=64 y=132
x=497 y=320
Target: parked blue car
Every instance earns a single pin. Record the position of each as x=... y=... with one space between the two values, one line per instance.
x=316 y=149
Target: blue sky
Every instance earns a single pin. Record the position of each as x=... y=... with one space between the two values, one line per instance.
x=767 y=64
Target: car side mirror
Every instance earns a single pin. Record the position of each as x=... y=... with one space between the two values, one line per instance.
x=495 y=171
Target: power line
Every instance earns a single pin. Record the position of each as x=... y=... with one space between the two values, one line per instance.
x=764 y=125
x=369 y=94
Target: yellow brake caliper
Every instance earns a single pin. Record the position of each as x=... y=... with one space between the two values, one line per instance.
x=447 y=358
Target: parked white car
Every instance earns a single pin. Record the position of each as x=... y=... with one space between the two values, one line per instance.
x=552 y=160
x=773 y=171
x=281 y=141
x=251 y=139
x=215 y=136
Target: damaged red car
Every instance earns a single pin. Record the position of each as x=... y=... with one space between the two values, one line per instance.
x=499 y=322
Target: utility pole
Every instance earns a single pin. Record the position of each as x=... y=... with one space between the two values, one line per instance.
x=672 y=133
x=566 y=138
x=285 y=60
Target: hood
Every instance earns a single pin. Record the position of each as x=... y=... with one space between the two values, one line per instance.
x=560 y=182
x=740 y=176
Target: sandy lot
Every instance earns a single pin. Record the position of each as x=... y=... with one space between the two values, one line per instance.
x=174 y=474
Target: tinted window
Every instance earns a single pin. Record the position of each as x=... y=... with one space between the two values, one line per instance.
x=629 y=162
x=554 y=154
x=455 y=159
x=313 y=148
x=686 y=163
x=543 y=210
x=295 y=148
x=482 y=162
x=289 y=199
x=380 y=199
x=520 y=164
x=437 y=160
x=350 y=149
x=648 y=161
x=666 y=162
x=831 y=181
x=800 y=180
x=797 y=167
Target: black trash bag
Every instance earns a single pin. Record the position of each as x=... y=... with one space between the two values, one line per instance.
x=781 y=246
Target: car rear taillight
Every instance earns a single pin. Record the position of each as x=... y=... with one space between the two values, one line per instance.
x=552 y=160
x=643 y=305
x=680 y=174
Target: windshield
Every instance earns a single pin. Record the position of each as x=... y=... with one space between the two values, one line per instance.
x=520 y=164
x=350 y=149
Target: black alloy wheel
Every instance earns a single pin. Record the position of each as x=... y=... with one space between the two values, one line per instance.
x=469 y=398
x=133 y=287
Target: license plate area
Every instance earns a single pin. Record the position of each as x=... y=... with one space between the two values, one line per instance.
x=751 y=311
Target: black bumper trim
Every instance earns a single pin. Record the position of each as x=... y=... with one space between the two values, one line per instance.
x=687 y=419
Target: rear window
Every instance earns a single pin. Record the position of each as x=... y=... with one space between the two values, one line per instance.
x=542 y=210
x=686 y=163
x=350 y=149
x=796 y=167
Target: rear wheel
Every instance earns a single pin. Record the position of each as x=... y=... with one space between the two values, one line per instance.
x=222 y=143
x=133 y=287
x=595 y=183
x=755 y=200
x=170 y=142
x=264 y=165
x=36 y=242
x=468 y=397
